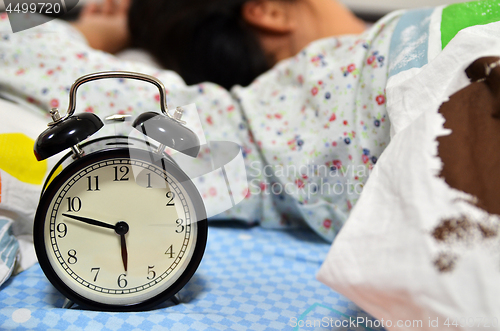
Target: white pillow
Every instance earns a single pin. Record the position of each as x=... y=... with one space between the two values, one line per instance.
x=21 y=180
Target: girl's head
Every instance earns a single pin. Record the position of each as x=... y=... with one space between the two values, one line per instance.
x=231 y=42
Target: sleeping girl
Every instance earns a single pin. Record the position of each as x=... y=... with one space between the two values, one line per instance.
x=298 y=84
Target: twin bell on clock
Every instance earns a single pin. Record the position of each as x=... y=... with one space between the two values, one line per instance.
x=122 y=227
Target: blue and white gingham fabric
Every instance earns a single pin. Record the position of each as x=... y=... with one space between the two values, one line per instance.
x=249 y=279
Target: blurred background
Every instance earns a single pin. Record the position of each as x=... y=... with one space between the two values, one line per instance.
x=369 y=10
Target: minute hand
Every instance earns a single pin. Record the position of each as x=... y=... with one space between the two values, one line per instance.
x=90 y=221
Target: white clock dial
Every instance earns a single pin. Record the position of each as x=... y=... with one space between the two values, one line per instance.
x=120 y=231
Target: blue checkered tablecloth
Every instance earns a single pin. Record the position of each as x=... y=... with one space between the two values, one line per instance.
x=249 y=279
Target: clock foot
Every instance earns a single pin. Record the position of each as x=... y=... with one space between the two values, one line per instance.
x=176 y=299
x=67 y=304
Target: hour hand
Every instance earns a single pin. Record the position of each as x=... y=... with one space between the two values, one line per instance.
x=90 y=221
x=121 y=230
x=123 y=245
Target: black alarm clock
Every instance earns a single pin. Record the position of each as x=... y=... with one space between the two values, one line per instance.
x=121 y=227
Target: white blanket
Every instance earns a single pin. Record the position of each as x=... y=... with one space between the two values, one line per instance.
x=386 y=258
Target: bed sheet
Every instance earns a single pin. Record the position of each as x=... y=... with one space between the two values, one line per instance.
x=249 y=279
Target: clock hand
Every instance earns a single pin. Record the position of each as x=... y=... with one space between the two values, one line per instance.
x=124 y=251
x=121 y=228
x=91 y=221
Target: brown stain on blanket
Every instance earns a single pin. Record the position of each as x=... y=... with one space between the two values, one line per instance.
x=453 y=230
x=445 y=262
x=471 y=157
x=462 y=230
x=471 y=154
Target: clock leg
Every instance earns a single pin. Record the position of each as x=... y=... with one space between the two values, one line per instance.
x=67 y=304
x=176 y=299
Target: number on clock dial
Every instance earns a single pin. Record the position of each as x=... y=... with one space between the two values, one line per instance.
x=93 y=185
x=74 y=204
x=122 y=174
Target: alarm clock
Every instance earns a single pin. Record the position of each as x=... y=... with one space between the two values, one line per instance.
x=121 y=227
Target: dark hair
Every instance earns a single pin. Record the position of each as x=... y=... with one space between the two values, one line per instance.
x=202 y=40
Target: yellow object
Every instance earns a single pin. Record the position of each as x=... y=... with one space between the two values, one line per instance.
x=17 y=158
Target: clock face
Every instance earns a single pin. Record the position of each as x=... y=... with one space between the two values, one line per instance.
x=118 y=232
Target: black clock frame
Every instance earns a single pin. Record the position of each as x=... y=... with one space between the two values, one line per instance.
x=164 y=163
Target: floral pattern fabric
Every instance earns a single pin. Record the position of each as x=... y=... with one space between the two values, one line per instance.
x=311 y=129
